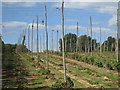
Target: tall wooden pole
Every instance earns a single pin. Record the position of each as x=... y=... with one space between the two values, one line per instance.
x=28 y=38
x=65 y=44
x=77 y=39
x=88 y=45
x=107 y=46
x=52 y=41
x=94 y=42
x=25 y=39
x=57 y=39
x=100 y=42
x=43 y=43
x=104 y=41
x=63 y=48
x=91 y=32
x=37 y=41
x=117 y=49
x=32 y=39
x=46 y=38
x=71 y=44
x=40 y=44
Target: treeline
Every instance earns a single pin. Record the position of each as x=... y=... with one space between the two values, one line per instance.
x=11 y=48
x=83 y=44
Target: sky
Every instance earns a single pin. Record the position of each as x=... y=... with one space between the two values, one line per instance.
x=17 y=16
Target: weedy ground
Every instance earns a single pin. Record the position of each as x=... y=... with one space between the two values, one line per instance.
x=21 y=71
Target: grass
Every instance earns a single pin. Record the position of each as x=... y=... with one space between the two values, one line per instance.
x=41 y=78
x=59 y=75
x=95 y=77
x=14 y=70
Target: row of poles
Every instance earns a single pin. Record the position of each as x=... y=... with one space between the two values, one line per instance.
x=63 y=41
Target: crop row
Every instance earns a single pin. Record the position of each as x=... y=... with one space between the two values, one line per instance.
x=109 y=64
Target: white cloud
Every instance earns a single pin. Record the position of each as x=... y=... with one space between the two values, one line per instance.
x=22 y=4
x=113 y=21
x=11 y=0
x=106 y=7
x=82 y=28
x=92 y=0
x=110 y=8
x=60 y=0
x=14 y=24
x=96 y=23
x=40 y=26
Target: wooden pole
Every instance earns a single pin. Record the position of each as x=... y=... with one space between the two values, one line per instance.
x=94 y=43
x=64 y=63
x=91 y=32
x=65 y=44
x=52 y=41
x=40 y=44
x=88 y=45
x=46 y=39
x=25 y=39
x=104 y=41
x=32 y=38
x=28 y=38
x=43 y=43
x=117 y=49
x=37 y=41
x=77 y=39
x=71 y=43
x=57 y=39
x=100 y=42
x=107 y=46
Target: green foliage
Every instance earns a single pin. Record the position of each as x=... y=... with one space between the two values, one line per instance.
x=84 y=59
x=69 y=82
x=114 y=65
x=79 y=58
x=70 y=42
x=60 y=85
x=9 y=66
x=21 y=86
x=9 y=48
x=91 y=60
x=44 y=72
x=98 y=63
x=109 y=66
x=60 y=64
x=32 y=58
x=117 y=65
x=110 y=42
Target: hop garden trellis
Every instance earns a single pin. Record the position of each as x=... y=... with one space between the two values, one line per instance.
x=90 y=49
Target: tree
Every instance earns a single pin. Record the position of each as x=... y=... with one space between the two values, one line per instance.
x=83 y=44
x=110 y=43
x=70 y=42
